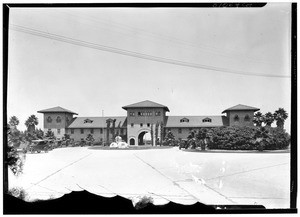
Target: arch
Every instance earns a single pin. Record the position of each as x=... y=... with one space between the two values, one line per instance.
x=247 y=118
x=141 y=135
x=236 y=118
x=131 y=141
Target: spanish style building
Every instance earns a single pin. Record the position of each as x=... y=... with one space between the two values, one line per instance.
x=142 y=117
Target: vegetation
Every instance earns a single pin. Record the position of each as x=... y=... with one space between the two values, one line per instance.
x=248 y=138
x=258 y=119
x=169 y=139
x=268 y=119
x=31 y=122
x=280 y=116
x=90 y=139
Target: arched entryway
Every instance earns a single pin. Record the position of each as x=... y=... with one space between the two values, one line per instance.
x=144 y=138
x=131 y=141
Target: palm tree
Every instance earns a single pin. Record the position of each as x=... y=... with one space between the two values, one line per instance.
x=268 y=119
x=13 y=122
x=258 y=119
x=280 y=116
x=31 y=122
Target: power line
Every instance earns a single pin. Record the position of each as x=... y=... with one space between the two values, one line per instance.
x=133 y=54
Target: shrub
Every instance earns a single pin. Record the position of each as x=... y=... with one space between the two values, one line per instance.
x=248 y=138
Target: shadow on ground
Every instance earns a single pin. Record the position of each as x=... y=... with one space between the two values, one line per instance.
x=86 y=203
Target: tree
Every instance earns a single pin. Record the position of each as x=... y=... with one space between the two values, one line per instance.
x=31 y=122
x=280 y=116
x=202 y=136
x=268 y=119
x=13 y=122
x=90 y=139
x=156 y=133
x=152 y=136
x=258 y=119
x=192 y=141
x=50 y=134
x=169 y=139
x=162 y=131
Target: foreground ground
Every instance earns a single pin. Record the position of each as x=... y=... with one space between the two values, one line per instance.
x=162 y=174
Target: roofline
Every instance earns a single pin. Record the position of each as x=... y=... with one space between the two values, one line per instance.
x=164 y=107
x=56 y=112
x=227 y=110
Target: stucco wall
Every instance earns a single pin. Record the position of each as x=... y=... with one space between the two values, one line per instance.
x=241 y=115
x=77 y=135
x=153 y=119
x=54 y=124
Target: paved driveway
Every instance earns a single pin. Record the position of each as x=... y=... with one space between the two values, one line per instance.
x=164 y=174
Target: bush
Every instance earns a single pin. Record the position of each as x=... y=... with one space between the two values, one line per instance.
x=248 y=138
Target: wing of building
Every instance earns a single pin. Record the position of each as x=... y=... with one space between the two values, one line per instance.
x=142 y=117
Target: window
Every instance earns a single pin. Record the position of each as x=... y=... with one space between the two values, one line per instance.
x=58 y=131
x=92 y=131
x=247 y=118
x=141 y=125
x=157 y=113
x=236 y=118
x=81 y=131
x=72 y=131
x=132 y=124
x=88 y=121
x=101 y=130
x=148 y=125
x=122 y=131
x=58 y=119
x=179 y=130
x=206 y=120
x=49 y=119
x=139 y=113
x=131 y=113
x=184 y=120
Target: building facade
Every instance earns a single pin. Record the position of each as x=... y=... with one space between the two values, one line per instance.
x=142 y=117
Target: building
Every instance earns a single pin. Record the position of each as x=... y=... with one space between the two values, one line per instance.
x=142 y=117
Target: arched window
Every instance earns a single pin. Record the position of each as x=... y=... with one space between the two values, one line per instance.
x=247 y=118
x=184 y=120
x=49 y=119
x=236 y=118
x=206 y=120
x=58 y=119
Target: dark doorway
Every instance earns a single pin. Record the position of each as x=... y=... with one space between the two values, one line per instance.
x=131 y=141
x=144 y=138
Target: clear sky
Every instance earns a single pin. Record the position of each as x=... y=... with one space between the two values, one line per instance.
x=45 y=72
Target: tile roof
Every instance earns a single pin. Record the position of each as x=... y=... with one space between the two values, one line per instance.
x=57 y=109
x=196 y=121
x=146 y=104
x=97 y=122
x=241 y=107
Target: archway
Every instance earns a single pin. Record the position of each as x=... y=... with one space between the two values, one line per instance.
x=144 y=138
x=132 y=141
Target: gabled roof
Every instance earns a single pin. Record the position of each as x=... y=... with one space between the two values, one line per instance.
x=57 y=109
x=241 y=107
x=196 y=121
x=97 y=122
x=146 y=104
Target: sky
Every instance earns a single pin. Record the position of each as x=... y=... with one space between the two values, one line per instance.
x=238 y=56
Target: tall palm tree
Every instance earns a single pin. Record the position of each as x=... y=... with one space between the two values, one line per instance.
x=268 y=119
x=13 y=122
x=31 y=122
x=280 y=116
x=258 y=119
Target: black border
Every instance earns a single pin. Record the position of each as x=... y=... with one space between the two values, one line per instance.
x=12 y=205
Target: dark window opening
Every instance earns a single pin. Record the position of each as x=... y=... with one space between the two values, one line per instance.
x=58 y=119
x=236 y=118
x=247 y=118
